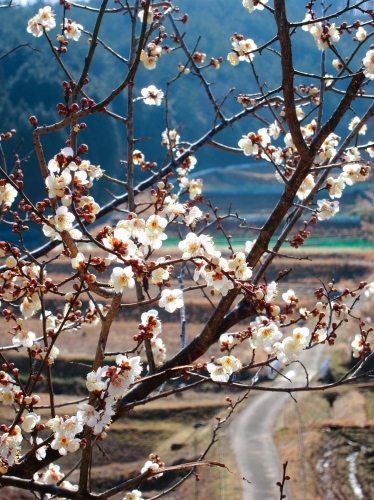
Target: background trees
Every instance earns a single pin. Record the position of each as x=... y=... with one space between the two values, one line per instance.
x=140 y=101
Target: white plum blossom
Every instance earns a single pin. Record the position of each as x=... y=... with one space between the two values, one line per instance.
x=151 y=466
x=129 y=369
x=194 y=187
x=10 y=445
x=24 y=338
x=7 y=194
x=351 y=173
x=151 y=322
x=63 y=219
x=323 y=34
x=265 y=335
x=30 y=305
x=243 y=272
x=94 y=382
x=320 y=335
x=335 y=187
x=56 y=184
x=158 y=351
x=289 y=296
x=161 y=273
x=227 y=341
x=306 y=187
x=119 y=241
x=250 y=143
x=41 y=452
x=64 y=445
x=271 y=291
x=274 y=130
x=94 y=172
x=150 y=56
x=233 y=58
x=79 y=262
x=51 y=476
x=170 y=138
x=72 y=29
x=354 y=122
x=156 y=224
x=358 y=345
x=368 y=62
x=252 y=5
x=122 y=278
x=192 y=216
x=30 y=421
x=152 y=95
x=369 y=289
x=301 y=334
x=191 y=246
x=222 y=283
x=151 y=240
x=248 y=146
x=150 y=17
x=11 y=262
x=138 y=157
x=171 y=300
x=50 y=232
x=249 y=245
x=361 y=34
x=87 y=415
x=290 y=348
x=299 y=113
x=133 y=495
x=327 y=209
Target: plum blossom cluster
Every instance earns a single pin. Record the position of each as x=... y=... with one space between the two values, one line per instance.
x=290 y=348
x=265 y=330
x=354 y=170
x=151 y=55
x=324 y=34
x=10 y=447
x=108 y=384
x=149 y=328
x=53 y=475
x=22 y=281
x=222 y=369
x=44 y=20
x=69 y=180
x=153 y=15
x=242 y=50
x=252 y=143
x=117 y=379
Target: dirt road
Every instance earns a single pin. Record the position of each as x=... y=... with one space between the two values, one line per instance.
x=251 y=433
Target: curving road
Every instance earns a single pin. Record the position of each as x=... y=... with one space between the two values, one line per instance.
x=251 y=433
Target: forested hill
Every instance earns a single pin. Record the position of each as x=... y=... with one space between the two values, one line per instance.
x=31 y=81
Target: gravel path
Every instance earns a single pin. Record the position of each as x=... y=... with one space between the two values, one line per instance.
x=251 y=433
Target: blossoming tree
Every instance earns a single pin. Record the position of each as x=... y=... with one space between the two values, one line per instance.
x=122 y=265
